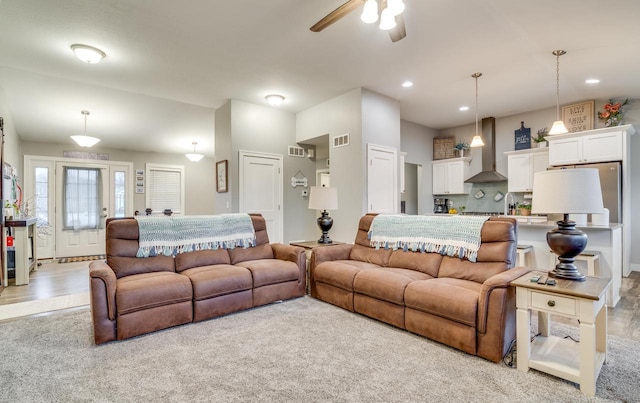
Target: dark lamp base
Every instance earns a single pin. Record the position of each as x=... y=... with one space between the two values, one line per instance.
x=567 y=242
x=325 y=223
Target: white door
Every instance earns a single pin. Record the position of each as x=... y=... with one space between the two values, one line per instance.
x=323 y=177
x=382 y=179
x=40 y=191
x=82 y=200
x=261 y=189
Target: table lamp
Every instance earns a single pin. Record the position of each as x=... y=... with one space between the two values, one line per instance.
x=567 y=191
x=324 y=198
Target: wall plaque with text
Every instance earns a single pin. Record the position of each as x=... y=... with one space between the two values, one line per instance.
x=578 y=117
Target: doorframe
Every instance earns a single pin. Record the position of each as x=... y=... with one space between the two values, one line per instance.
x=396 y=190
x=280 y=158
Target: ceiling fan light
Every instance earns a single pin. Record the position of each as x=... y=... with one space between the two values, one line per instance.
x=477 y=141
x=274 y=99
x=558 y=128
x=370 y=12
x=396 y=7
x=387 y=20
x=88 y=54
x=85 y=141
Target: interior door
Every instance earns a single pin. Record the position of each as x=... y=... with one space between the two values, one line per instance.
x=382 y=179
x=86 y=235
x=40 y=188
x=261 y=189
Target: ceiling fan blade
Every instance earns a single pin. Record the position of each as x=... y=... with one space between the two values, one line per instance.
x=336 y=14
x=399 y=31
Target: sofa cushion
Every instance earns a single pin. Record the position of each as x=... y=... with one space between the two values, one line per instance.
x=271 y=271
x=216 y=280
x=149 y=290
x=387 y=284
x=452 y=299
x=370 y=255
x=428 y=263
x=127 y=266
x=340 y=273
x=199 y=258
x=263 y=251
x=465 y=270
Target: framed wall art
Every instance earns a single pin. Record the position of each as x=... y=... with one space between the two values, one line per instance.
x=579 y=117
x=221 y=176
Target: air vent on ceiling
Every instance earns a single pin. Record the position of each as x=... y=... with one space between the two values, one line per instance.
x=296 y=151
x=341 y=140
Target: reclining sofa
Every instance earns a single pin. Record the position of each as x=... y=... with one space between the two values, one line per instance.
x=468 y=306
x=133 y=295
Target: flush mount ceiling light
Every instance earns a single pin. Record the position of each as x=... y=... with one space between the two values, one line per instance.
x=592 y=81
x=477 y=139
x=558 y=126
x=463 y=108
x=84 y=140
x=274 y=99
x=88 y=54
x=407 y=84
x=194 y=157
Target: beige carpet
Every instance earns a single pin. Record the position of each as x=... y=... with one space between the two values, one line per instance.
x=301 y=350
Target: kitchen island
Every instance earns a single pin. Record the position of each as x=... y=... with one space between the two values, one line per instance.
x=606 y=239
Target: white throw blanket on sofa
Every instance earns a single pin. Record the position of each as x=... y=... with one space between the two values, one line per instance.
x=163 y=235
x=457 y=236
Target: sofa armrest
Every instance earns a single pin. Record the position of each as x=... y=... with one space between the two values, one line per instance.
x=290 y=253
x=326 y=254
x=106 y=285
x=499 y=281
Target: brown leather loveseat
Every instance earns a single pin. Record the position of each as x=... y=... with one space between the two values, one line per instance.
x=469 y=306
x=133 y=295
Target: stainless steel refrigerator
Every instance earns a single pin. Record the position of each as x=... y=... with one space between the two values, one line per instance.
x=611 y=183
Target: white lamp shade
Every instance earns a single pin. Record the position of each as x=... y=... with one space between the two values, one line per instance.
x=387 y=20
x=85 y=141
x=396 y=7
x=567 y=191
x=323 y=198
x=194 y=157
x=476 y=141
x=370 y=12
x=558 y=128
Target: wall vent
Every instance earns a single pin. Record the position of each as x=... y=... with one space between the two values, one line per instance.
x=296 y=151
x=341 y=140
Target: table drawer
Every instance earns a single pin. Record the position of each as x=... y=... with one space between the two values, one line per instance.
x=553 y=303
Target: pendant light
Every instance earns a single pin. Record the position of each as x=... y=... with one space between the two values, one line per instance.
x=194 y=157
x=477 y=139
x=558 y=126
x=370 y=12
x=85 y=141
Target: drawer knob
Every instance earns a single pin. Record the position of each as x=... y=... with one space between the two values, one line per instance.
x=551 y=302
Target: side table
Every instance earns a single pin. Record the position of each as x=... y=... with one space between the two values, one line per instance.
x=308 y=248
x=564 y=358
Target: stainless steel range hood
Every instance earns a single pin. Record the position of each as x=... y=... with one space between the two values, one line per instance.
x=488 y=173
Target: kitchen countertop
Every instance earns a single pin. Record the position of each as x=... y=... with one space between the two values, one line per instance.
x=588 y=226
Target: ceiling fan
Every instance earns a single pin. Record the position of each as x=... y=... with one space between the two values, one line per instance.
x=391 y=18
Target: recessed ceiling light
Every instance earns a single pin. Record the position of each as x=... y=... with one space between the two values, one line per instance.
x=88 y=54
x=274 y=99
x=407 y=84
x=463 y=108
x=592 y=81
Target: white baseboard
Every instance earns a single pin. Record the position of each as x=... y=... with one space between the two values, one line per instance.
x=634 y=267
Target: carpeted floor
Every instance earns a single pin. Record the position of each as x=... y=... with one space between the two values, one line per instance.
x=301 y=350
x=80 y=258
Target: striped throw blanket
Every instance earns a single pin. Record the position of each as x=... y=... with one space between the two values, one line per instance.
x=457 y=236
x=162 y=235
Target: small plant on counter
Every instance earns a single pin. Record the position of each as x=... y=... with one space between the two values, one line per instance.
x=612 y=113
x=461 y=145
x=542 y=135
x=525 y=207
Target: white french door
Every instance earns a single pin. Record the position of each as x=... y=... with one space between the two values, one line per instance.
x=261 y=189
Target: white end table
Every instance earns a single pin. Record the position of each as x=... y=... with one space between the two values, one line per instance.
x=564 y=358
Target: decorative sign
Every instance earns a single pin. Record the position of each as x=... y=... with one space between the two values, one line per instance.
x=299 y=182
x=85 y=155
x=443 y=147
x=523 y=137
x=578 y=117
x=139 y=181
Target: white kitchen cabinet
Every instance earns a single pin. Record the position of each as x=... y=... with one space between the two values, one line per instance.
x=583 y=148
x=522 y=165
x=449 y=176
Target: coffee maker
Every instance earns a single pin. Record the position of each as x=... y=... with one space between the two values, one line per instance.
x=440 y=206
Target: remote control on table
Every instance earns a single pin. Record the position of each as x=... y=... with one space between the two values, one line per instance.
x=542 y=280
x=551 y=281
x=534 y=279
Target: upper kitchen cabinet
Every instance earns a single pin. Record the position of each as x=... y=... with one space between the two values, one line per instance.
x=522 y=165
x=586 y=147
x=449 y=176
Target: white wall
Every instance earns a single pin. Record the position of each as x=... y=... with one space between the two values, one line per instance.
x=223 y=201
x=417 y=142
x=11 y=141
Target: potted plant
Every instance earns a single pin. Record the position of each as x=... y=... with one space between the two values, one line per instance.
x=461 y=146
x=525 y=208
x=541 y=138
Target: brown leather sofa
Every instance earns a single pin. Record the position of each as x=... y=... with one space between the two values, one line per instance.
x=131 y=296
x=468 y=306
